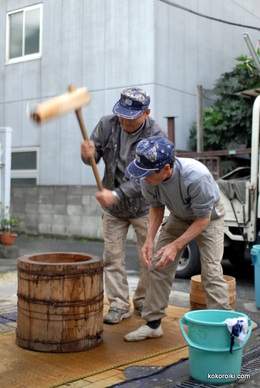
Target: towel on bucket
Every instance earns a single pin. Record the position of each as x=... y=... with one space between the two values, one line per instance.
x=238 y=330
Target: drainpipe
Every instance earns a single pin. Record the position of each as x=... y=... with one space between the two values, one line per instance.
x=199 y=119
x=252 y=51
x=5 y=165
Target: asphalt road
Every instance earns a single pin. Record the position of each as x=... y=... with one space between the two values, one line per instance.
x=245 y=302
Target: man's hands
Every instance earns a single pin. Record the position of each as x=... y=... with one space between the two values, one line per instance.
x=168 y=254
x=87 y=149
x=147 y=253
x=105 y=198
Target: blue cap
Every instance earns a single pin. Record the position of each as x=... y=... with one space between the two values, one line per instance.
x=132 y=104
x=151 y=154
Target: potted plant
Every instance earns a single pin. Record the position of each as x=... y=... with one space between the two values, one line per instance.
x=8 y=223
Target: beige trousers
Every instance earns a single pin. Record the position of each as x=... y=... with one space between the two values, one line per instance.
x=116 y=284
x=211 y=244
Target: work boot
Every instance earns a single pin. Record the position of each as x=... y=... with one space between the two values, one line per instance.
x=116 y=315
x=143 y=333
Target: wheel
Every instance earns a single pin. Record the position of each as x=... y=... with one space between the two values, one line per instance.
x=238 y=255
x=189 y=263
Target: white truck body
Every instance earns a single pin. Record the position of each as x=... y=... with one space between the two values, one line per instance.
x=240 y=192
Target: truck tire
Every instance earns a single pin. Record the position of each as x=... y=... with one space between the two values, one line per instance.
x=189 y=264
x=236 y=255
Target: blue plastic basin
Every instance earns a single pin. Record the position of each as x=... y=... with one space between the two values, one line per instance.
x=210 y=360
x=255 y=252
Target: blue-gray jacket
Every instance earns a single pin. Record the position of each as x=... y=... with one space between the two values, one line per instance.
x=106 y=137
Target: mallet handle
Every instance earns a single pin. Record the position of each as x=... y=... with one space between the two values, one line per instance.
x=91 y=159
x=85 y=137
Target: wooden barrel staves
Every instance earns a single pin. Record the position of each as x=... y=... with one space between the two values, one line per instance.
x=60 y=302
x=197 y=293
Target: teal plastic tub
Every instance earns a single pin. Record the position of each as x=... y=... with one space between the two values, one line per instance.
x=210 y=360
x=255 y=253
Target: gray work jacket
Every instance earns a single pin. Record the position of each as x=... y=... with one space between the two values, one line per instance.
x=106 y=137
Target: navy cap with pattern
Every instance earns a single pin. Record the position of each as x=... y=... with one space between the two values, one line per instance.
x=133 y=102
x=151 y=154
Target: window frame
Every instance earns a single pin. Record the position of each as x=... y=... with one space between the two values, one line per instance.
x=30 y=173
x=24 y=57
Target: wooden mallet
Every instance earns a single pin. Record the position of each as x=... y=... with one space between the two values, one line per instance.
x=75 y=99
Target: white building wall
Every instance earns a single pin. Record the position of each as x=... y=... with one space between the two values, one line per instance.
x=193 y=50
x=107 y=45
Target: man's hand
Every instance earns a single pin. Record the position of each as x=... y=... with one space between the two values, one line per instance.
x=147 y=253
x=167 y=254
x=87 y=149
x=105 y=198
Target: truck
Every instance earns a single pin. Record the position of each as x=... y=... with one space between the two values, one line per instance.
x=240 y=193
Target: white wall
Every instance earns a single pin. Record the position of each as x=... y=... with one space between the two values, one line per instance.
x=193 y=50
x=106 y=46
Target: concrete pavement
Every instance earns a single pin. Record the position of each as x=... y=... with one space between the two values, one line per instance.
x=33 y=245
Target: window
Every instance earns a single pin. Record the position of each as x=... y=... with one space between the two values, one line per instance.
x=24 y=34
x=25 y=166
